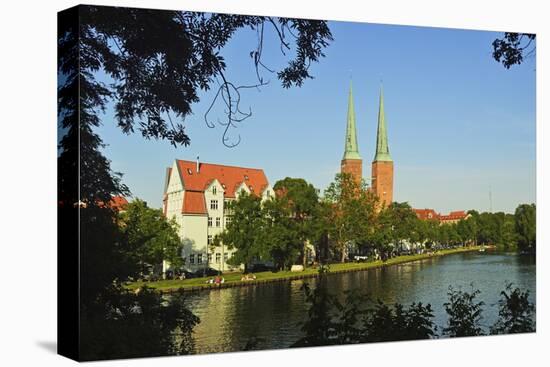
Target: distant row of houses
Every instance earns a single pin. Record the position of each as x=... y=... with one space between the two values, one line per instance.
x=197 y=194
x=451 y=218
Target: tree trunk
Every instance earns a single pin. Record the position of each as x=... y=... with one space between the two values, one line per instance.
x=343 y=260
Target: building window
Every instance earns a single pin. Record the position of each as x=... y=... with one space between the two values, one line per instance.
x=214 y=204
x=218 y=257
x=218 y=221
x=209 y=221
x=227 y=220
x=214 y=190
x=227 y=207
x=199 y=259
x=225 y=256
x=209 y=240
x=268 y=193
x=191 y=259
x=209 y=258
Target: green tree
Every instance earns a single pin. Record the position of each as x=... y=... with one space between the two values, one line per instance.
x=431 y=228
x=319 y=327
x=352 y=321
x=136 y=325
x=525 y=226
x=403 y=223
x=302 y=201
x=383 y=235
x=473 y=225
x=280 y=234
x=463 y=232
x=245 y=232
x=351 y=215
x=516 y=313
x=464 y=313
x=151 y=237
x=393 y=323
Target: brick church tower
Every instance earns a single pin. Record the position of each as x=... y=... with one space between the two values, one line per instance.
x=382 y=166
x=352 y=162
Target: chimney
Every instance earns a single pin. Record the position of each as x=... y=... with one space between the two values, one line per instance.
x=198 y=165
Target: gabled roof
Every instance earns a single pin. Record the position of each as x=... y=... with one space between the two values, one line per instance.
x=453 y=216
x=230 y=177
x=426 y=214
x=193 y=202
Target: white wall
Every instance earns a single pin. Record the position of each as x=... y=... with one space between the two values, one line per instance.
x=194 y=239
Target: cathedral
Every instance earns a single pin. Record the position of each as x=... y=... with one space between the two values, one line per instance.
x=382 y=166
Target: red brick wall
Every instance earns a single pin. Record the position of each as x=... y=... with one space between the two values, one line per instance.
x=382 y=181
x=353 y=167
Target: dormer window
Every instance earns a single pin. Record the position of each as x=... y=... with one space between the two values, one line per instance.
x=246 y=177
x=214 y=190
x=189 y=171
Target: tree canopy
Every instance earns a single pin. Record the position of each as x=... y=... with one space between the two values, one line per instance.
x=513 y=48
x=151 y=237
x=156 y=62
x=351 y=213
x=159 y=60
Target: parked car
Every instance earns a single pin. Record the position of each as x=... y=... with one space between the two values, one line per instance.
x=257 y=268
x=206 y=272
x=360 y=258
x=183 y=274
x=169 y=274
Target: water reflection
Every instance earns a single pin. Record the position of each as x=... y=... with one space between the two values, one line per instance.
x=231 y=317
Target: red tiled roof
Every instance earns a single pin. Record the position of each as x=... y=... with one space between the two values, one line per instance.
x=193 y=202
x=229 y=176
x=459 y=213
x=118 y=203
x=426 y=214
x=456 y=215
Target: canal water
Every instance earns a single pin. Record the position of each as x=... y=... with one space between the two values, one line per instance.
x=272 y=313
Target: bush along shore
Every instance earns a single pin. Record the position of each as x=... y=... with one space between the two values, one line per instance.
x=235 y=279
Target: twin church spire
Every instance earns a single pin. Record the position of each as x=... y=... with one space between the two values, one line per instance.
x=381 y=180
x=351 y=150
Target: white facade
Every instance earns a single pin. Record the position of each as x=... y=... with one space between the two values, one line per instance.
x=198 y=230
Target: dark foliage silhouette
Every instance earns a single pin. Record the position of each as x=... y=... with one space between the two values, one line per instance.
x=156 y=62
x=513 y=48
x=464 y=313
x=516 y=313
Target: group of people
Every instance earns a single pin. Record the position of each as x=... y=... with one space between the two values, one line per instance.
x=248 y=277
x=216 y=280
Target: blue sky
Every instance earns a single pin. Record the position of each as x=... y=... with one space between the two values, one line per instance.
x=459 y=124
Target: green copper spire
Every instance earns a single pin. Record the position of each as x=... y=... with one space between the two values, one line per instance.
x=352 y=150
x=382 y=148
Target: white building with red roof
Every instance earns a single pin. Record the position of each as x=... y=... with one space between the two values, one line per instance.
x=196 y=196
x=451 y=218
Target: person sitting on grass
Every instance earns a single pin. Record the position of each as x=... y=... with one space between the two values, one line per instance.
x=248 y=277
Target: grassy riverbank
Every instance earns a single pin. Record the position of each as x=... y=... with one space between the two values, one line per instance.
x=234 y=279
